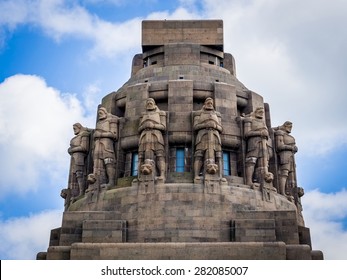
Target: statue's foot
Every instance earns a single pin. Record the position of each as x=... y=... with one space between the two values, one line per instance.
x=255 y=186
x=106 y=186
x=197 y=179
x=160 y=178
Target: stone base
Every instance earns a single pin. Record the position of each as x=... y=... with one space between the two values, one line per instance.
x=182 y=251
x=181 y=221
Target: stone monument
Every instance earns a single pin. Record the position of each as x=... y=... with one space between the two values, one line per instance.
x=183 y=163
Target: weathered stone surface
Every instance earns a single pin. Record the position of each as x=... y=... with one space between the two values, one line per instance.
x=58 y=253
x=103 y=231
x=184 y=212
x=184 y=251
x=298 y=252
x=158 y=32
x=255 y=230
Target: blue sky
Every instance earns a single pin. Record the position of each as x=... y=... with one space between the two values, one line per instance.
x=59 y=58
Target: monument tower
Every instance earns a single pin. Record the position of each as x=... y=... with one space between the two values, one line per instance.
x=183 y=163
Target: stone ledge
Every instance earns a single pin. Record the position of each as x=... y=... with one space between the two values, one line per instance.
x=180 y=251
x=101 y=231
x=58 y=253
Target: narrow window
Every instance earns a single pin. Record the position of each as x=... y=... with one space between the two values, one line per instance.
x=134 y=164
x=226 y=164
x=180 y=160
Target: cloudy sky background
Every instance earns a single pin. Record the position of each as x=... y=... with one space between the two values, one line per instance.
x=59 y=58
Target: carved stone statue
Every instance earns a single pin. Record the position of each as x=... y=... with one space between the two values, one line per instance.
x=259 y=148
x=79 y=148
x=105 y=135
x=286 y=148
x=151 y=142
x=208 y=150
x=300 y=193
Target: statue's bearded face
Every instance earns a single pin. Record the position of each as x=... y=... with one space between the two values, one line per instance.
x=259 y=113
x=102 y=114
x=288 y=128
x=76 y=129
x=209 y=104
x=150 y=105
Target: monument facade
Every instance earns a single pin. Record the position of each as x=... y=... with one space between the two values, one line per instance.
x=184 y=163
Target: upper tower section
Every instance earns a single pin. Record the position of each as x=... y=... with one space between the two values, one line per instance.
x=188 y=42
x=157 y=33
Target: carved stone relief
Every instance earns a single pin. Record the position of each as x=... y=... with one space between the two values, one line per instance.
x=104 y=159
x=259 y=149
x=286 y=148
x=208 y=145
x=152 y=164
x=78 y=150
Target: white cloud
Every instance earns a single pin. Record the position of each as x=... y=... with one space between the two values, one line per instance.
x=23 y=237
x=13 y=12
x=179 y=14
x=59 y=19
x=114 y=39
x=104 y=2
x=35 y=130
x=324 y=215
x=92 y=97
